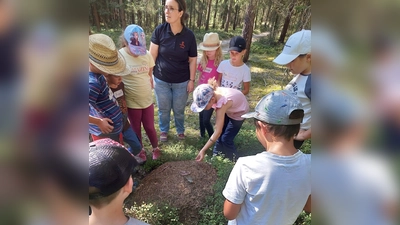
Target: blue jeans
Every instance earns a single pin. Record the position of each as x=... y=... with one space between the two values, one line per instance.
x=205 y=122
x=224 y=144
x=131 y=138
x=171 y=96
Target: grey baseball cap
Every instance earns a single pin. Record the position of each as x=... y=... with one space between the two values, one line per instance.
x=276 y=107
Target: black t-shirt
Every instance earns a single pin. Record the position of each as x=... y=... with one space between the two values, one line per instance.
x=172 y=63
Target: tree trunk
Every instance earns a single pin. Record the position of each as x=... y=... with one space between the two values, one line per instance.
x=215 y=14
x=140 y=17
x=122 y=13
x=208 y=15
x=228 y=18
x=96 y=16
x=235 y=18
x=248 y=27
x=191 y=14
x=267 y=19
x=275 y=25
x=163 y=11
x=286 y=24
x=200 y=14
x=255 y=19
x=224 y=14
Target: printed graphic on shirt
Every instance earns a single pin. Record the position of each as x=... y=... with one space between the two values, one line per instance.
x=139 y=68
x=292 y=86
x=230 y=81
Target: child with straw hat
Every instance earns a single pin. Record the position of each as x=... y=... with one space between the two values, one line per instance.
x=105 y=116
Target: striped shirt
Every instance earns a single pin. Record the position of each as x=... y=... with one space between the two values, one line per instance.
x=102 y=104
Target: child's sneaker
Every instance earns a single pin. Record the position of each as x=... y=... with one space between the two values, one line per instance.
x=163 y=137
x=156 y=153
x=142 y=156
x=138 y=159
x=181 y=136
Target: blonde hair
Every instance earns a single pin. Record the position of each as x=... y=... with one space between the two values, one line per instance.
x=217 y=60
x=122 y=42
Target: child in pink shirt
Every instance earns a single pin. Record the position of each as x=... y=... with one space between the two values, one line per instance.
x=230 y=104
x=212 y=56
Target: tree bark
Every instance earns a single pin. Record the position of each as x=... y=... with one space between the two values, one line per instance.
x=122 y=13
x=286 y=23
x=224 y=14
x=191 y=14
x=215 y=13
x=248 y=27
x=267 y=19
x=96 y=16
x=163 y=11
x=228 y=18
x=208 y=15
x=235 y=18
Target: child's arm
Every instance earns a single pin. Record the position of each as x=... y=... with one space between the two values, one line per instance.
x=303 y=135
x=151 y=77
x=103 y=123
x=307 y=207
x=153 y=51
x=246 y=88
x=219 y=79
x=231 y=210
x=219 y=124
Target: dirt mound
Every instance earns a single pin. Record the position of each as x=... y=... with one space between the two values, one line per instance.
x=183 y=184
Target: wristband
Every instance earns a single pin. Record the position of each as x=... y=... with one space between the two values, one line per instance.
x=191 y=80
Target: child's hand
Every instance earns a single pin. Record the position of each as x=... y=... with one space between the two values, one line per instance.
x=200 y=156
x=151 y=83
x=105 y=125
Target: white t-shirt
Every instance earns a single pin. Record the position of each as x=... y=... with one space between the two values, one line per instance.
x=297 y=85
x=273 y=189
x=133 y=221
x=233 y=76
x=354 y=188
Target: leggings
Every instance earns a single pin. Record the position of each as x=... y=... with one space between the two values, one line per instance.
x=137 y=117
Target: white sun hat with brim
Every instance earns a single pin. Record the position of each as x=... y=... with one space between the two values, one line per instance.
x=210 y=42
x=298 y=43
x=104 y=55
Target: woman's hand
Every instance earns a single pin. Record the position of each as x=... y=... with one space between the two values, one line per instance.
x=190 y=86
x=200 y=156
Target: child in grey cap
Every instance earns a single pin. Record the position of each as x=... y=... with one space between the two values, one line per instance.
x=274 y=186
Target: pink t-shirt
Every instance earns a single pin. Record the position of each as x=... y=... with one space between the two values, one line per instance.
x=239 y=106
x=209 y=72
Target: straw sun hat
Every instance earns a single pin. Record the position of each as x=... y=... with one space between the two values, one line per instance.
x=104 y=55
x=210 y=42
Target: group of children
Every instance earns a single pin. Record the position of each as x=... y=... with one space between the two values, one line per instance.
x=260 y=189
x=111 y=102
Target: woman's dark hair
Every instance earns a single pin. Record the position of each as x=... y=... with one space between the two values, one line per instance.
x=285 y=131
x=182 y=7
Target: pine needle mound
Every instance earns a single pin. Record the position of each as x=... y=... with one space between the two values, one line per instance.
x=182 y=184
